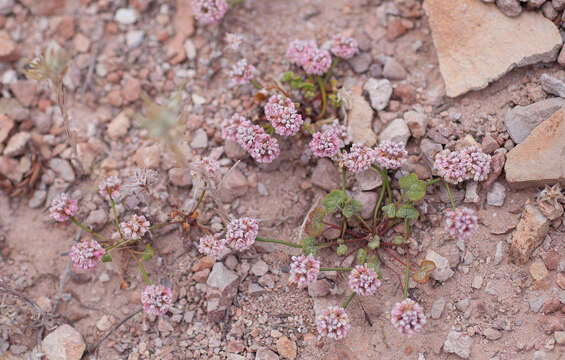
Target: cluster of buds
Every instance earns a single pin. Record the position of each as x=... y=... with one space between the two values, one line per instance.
x=363 y=280
x=156 y=299
x=281 y=113
x=240 y=235
x=63 y=208
x=333 y=323
x=460 y=223
x=330 y=140
x=110 y=188
x=242 y=73
x=135 y=228
x=458 y=166
x=387 y=155
x=209 y=11
x=408 y=317
x=86 y=254
x=260 y=145
x=304 y=270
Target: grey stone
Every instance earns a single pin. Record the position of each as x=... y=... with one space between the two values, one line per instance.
x=265 y=354
x=62 y=168
x=199 y=140
x=552 y=85
x=37 y=199
x=459 y=344
x=558 y=4
x=540 y=355
x=255 y=289
x=442 y=272
x=368 y=202
x=416 y=122
x=319 y=288
x=379 y=91
x=471 y=195
x=360 y=121
x=509 y=7
x=361 y=62
x=6 y=6
x=393 y=70
x=369 y=179
x=96 y=218
x=430 y=149
x=17 y=144
x=496 y=194
x=64 y=343
x=536 y=303
x=126 y=16
x=396 y=131
x=223 y=279
x=234 y=185
x=463 y=304
x=260 y=268
x=521 y=120
x=492 y=334
x=437 y=308
x=499 y=253
x=134 y=38
x=190 y=49
x=326 y=175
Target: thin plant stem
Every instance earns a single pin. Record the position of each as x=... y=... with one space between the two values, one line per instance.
x=378 y=207
x=116 y=220
x=386 y=184
x=330 y=244
x=337 y=227
x=276 y=241
x=348 y=300
x=449 y=194
x=158 y=226
x=363 y=222
x=336 y=269
x=256 y=84
x=307 y=128
x=77 y=223
x=343 y=227
x=145 y=276
x=330 y=70
x=200 y=198
x=343 y=179
x=431 y=182
x=322 y=86
x=407 y=280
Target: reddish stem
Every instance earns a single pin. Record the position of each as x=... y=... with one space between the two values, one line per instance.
x=346 y=230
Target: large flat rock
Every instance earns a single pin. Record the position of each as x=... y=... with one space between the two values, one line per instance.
x=477 y=44
x=540 y=158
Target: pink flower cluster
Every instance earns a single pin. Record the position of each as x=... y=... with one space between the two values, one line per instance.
x=301 y=51
x=324 y=144
x=156 y=299
x=461 y=222
x=241 y=233
x=280 y=111
x=135 y=228
x=211 y=245
x=110 y=188
x=209 y=11
x=303 y=270
x=210 y=167
x=333 y=323
x=408 y=317
x=262 y=147
x=390 y=155
x=86 y=254
x=344 y=47
x=340 y=131
x=363 y=280
x=359 y=158
x=458 y=166
x=319 y=63
x=63 y=208
x=241 y=72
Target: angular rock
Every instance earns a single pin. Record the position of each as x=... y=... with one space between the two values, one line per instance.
x=360 y=120
x=266 y=354
x=199 y=140
x=134 y=38
x=549 y=11
x=64 y=343
x=9 y=51
x=62 y=168
x=10 y=168
x=437 y=308
x=6 y=125
x=496 y=194
x=17 y=144
x=6 y=6
x=379 y=91
x=286 y=348
x=416 y=122
x=180 y=177
x=222 y=284
x=368 y=200
x=119 y=125
x=552 y=85
x=530 y=233
x=260 y=268
x=393 y=70
x=477 y=44
x=148 y=157
x=459 y=344
x=538 y=271
x=369 y=179
x=24 y=90
x=235 y=185
x=509 y=7
x=96 y=218
x=396 y=131
x=126 y=16
x=521 y=120
x=184 y=27
x=361 y=62
x=538 y=160
x=442 y=271
x=326 y=175
x=492 y=334
x=319 y=288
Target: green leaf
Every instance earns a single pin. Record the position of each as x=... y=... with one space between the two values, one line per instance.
x=288 y=76
x=422 y=275
x=398 y=240
x=350 y=208
x=375 y=243
x=413 y=188
x=407 y=211
x=389 y=210
x=314 y=225
x=148 y=253
x=106 y=258
x=361 y=255
x=341 y=250
x=309 y=245
x=334 y=200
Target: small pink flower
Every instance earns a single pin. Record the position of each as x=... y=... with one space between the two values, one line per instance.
x=210 y=166
x=247 y=134
x=324 y=144
x=135 y=228
x=408 y=317
x=63 y=208
x=363 y=280
x=212 y=245
x=231 y=125
x=359 y=158
x=340 y=131
x=333 y=323
x=156 y=299
x=110 y=188
x=344 y=46
x=266 y=149
x=301 y=51
x=478 y=166
x=461 y=222
x=241 y=72
x=318 y=64
x=452 y=166
x=280 y=111
x=303 y=270
x=390 y=155
x=209 y=11
x=86 y=254
x=241 y=233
